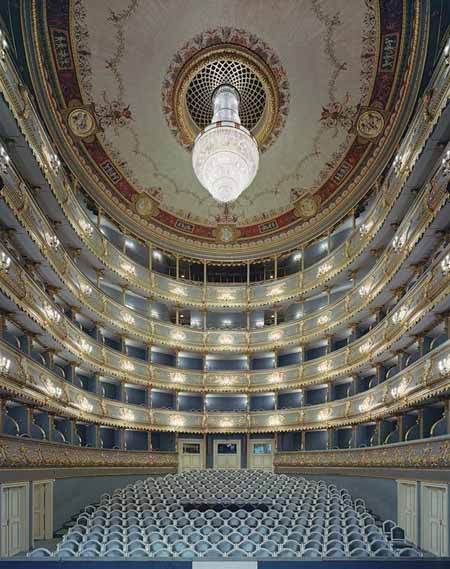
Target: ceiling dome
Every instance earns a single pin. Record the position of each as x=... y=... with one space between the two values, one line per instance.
x=325 y=92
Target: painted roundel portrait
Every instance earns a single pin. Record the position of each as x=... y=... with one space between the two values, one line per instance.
x=323 y=93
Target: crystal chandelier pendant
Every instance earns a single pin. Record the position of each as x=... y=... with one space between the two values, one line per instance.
x=225 y=156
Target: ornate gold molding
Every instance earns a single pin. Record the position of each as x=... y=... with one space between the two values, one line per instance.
x=18 y=452
x=428 y=377
x=138 y=326
x=197 y=295
x=20 y=287
x=427 y=453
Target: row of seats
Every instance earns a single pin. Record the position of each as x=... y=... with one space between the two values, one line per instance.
x=300 y=519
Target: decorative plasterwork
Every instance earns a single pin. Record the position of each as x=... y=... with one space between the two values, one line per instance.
x=368 y=127
x=244 y=52
x=31 y=381
x=420 y=299
x=24 y=453
x=19 y=198
x=235 y=296
x=429 y=453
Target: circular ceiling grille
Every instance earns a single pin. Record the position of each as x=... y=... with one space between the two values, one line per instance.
x=220 y=72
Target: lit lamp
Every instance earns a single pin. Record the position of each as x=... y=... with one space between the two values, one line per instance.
x=225 y=156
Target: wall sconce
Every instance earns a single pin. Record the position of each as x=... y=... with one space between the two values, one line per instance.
x=127 y=366
x=226 y=339
x=128 y=268
x=128 y=319
x=85 y=289
x=445 y=264
x=178 y=336
x=5 y=364
x=127 y=415
x=86 y=227
x=275 y=336
x=177 y=421
x=324 y=367
x=400 y=315
x=52 y=241
x=52 y=314
x=4 y=160
x=364 y=290
x=444 y=366
x=85 y=347
x=178 y=377
x=5 y=262
x=323 y=319
x=324 y=269
x=366 y=347
x=84 y=405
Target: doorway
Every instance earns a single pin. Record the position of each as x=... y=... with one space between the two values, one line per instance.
x=191 y=454
x=42 y=509
x=260 y=454
x=227 y=454
x=14 y=518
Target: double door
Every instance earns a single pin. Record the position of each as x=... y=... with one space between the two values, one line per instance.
x=434 y=518
x=14 y=528
x=227 y=454
x=191 y=454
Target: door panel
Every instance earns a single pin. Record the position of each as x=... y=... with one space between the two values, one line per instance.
x=39 y=496
x=434 y=520
x=191 y=455
x=227 y=454
x=14 y=498
x=407 y=509
x=261 y=455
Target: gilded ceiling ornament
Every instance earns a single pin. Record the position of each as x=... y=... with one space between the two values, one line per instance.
x=307 y=207
x=226 y=56
x=226 y=233
x=145 y=206
x=370 y=123
x=81 y=120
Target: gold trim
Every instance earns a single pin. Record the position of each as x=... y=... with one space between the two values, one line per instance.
x=188 y=129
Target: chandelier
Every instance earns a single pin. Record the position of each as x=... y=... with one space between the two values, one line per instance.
x=225 y=156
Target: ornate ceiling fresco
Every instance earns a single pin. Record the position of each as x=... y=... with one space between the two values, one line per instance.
x=122 y=86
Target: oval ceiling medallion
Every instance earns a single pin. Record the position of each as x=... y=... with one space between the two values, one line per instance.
x=226 y=56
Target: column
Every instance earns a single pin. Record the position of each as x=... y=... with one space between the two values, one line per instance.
x=401 y=426
x=353 y=439
x=3 y=324
x=330 y=433
x=2 y=414
x=302 y=440
x=150 y=256
x=124 y=288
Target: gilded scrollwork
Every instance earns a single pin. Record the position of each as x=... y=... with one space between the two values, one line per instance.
x=22 y=453
x=418 y=454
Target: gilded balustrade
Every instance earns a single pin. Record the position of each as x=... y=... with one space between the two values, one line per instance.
x=426 y=294
x=428 y=202
x=25 y=453
x=427 y=377
x=428 y=453
x=212 y=296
